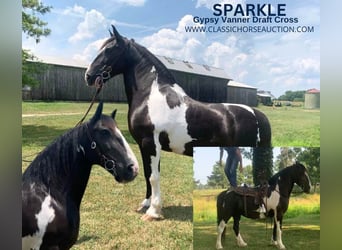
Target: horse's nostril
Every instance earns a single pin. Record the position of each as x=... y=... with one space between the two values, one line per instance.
x=133 y=168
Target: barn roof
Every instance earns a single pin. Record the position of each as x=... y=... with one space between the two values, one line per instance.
x=194 y=68
x=239 y=85
x=263 y=93
x=170 y=63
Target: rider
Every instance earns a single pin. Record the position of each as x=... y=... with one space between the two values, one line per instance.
x=234 y=157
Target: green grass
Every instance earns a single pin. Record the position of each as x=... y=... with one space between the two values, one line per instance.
x=294 y=126
x=301 y=224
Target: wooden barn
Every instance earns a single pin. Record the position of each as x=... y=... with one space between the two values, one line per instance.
x=241 y=93
x=201 y=82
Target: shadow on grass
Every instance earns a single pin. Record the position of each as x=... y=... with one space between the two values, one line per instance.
x=40 y=135
x=298 y=233
x=85 y=238
x=179 y=213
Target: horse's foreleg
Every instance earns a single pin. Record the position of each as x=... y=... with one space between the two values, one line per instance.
x=145 y=154
x=277 y=231
x=240 y=242
x=154 y=211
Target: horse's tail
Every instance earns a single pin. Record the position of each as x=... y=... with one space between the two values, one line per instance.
x=264 y=127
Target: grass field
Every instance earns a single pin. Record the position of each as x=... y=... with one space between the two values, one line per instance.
x=108 y=217
x=294 y=126
x=301 y=224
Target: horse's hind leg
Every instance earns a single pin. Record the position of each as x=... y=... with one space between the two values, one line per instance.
x=220 y=230
x=240 y=242
x=223 y=216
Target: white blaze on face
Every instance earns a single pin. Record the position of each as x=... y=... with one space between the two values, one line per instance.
x=307 y=176
x=129 y=151
x=44 y=217
x=169 y=120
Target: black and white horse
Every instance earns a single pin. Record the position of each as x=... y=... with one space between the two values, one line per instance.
x=54 y=183
x=162 y=117
x=233 y=204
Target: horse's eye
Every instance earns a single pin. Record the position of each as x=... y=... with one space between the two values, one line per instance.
x=105 y=132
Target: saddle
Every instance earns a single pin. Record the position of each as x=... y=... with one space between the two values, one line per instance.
x=257 y=192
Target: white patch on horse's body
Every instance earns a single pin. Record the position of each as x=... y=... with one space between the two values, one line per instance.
x=153 y=69
x=44 y=217
x=307 y=176
x=271 y=204
x=172 y=121
x=272 y=201
x=249 y=109
x=220 y=229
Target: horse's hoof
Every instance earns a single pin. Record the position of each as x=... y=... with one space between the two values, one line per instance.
x=147 y=217
x=141 y=209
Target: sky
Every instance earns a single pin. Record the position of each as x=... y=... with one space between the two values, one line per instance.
x=274 y=62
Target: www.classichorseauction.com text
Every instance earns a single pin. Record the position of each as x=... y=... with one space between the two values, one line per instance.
x=248 y=18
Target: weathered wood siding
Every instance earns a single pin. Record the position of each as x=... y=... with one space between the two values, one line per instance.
x=67 y=83
x=239 y=95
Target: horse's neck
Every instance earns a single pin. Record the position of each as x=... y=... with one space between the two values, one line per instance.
x=139 y=76
x=286 y=186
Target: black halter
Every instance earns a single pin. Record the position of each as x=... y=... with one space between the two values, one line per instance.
x=109 y=165
x=106 y=70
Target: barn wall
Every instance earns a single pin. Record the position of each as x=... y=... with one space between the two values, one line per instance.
x=240 y=95
x=67 y=83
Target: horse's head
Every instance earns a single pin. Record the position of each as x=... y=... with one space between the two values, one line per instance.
x=110 y=60
x=109 y=148
x=303 y=179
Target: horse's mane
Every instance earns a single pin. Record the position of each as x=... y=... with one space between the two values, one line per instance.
x=58 y=157
x=162 y=70
x=284 y=171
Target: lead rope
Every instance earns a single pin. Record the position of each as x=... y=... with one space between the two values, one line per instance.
x=98 y=90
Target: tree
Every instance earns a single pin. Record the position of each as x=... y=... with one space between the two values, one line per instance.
x=217 y=178
x=262 y=164
x=285 y=158
x=33 y=27
x=312 y=160
x=292 y=95
x=246 y=177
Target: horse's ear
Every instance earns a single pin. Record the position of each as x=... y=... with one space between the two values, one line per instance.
x=111 y=33
x=97 y=114
x=118 y=37
x=113 y=114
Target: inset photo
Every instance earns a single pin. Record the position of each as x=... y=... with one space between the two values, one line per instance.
x=257 y=197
